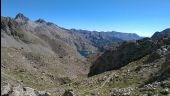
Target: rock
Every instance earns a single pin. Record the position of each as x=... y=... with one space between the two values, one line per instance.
x=18 y=91
x=143 y=95
x=69 y=92
x=165 y=91
x=7 y=89
x=30 y=92
x=121 y=92
x=43 y=93
x=150 y=87
x=93 y=94
x=165 y=84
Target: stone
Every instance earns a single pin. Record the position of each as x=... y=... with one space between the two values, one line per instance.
x=69 y=92
x=6 y=89
x=9 y=90
x=121 y=92
x=18 y=91
x=165 y=91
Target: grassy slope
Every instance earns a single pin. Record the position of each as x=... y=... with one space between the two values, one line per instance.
x=133 y=75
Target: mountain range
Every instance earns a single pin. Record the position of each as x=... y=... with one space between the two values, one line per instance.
x=40 y=55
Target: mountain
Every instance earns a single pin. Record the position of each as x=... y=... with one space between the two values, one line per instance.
x=158 y=35
x=101 y=39
x=36 y=53
x=128 y=52
x=42 y=49
x=40 y=55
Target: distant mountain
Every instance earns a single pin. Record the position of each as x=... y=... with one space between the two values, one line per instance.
x=110 y=34
x=101 y=39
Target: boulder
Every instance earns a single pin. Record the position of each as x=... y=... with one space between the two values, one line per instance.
x=6 y=89
x=165 y=91
x=69 y=92
x=9 y=90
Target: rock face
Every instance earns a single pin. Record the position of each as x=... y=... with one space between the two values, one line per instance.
x=9 y=90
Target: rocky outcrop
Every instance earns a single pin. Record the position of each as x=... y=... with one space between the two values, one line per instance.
x=161 y=34
x=9 y=90
x=21 y=17
x=121 y=92
x=159 y=53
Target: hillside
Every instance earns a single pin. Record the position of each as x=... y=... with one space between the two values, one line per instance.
x=35 y=54
x=128 y=52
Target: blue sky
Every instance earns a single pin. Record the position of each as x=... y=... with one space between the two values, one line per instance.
x=143 y=17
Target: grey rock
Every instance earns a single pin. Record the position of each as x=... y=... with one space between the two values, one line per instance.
x=7 y=89
x=165 y=91
x=69 y=92
x=165 y=83
x=121 y=92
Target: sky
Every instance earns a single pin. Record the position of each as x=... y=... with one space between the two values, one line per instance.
x=143 y=17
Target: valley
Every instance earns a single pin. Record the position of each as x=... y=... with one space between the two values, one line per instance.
x=41 y=58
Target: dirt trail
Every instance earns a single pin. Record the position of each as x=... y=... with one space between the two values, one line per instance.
x=103 y=84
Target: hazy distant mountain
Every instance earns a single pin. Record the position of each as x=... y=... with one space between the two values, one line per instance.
x=101 y=39
x=110 y=34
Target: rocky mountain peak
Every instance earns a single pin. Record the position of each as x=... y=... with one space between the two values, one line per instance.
x=161 y=34
x=21 y=16
x=40 y=21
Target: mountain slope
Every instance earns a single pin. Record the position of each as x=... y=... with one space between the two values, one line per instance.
x=159 y=35
x=137 y=78
x=126 y=53
x=33 y=55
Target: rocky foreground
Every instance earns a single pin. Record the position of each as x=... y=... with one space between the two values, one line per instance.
x=10 y=90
